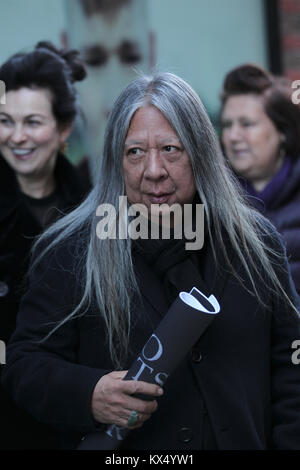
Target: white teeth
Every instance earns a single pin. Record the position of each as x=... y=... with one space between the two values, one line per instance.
x=22 y=151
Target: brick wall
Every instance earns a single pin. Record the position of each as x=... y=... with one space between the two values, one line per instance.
x=289 y=24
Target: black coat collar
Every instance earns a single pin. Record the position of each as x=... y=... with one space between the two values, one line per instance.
x=213 y=278
x=72 y=187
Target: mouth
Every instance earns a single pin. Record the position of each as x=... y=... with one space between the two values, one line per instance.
x=240 y=152
x=159 y=198
x=22 y=154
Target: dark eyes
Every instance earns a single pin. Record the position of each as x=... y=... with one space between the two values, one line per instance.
x=229 y=124
x=168 y=149
x=134 y=151
x=7 y=121
x=4 y=120
x=247 y=123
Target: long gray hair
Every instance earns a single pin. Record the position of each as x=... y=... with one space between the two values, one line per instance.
x=109 y=277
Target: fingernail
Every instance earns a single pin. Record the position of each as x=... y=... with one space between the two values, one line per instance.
x=160 y=391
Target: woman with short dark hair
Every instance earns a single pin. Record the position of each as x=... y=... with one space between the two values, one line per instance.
x=37 y=185
x=260 y=136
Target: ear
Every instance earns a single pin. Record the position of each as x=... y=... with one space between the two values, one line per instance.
x=65 y=132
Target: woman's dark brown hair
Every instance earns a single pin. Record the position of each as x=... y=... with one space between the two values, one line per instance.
x=50 y=68
x=276 y=93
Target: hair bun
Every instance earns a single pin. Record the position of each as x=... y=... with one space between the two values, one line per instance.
x=71 y=58
x=77 y=68
x=47 y=45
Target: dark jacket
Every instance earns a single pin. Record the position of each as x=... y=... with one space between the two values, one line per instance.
x=283 y=210
x=18 y=229
x=241 y=367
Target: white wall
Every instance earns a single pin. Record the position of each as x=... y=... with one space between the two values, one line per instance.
x=201 y=40
x=25 y=22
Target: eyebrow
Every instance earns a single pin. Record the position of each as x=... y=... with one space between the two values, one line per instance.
x=35 y=114
x=170 y=139
x=130 y=142
x=26 y=117
x=162 y=141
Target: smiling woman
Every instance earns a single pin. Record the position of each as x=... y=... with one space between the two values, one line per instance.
x=36 y=182
x=30 y=139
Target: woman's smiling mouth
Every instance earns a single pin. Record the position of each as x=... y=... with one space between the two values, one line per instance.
x=22 y=154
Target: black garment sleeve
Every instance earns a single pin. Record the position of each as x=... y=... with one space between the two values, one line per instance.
x=42 y=372
x=285 y=375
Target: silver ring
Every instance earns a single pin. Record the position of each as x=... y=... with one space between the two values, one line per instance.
x=133 y=418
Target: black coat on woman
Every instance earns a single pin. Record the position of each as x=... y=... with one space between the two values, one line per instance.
x=236 y=389
x=18 y=229
x=282 y=208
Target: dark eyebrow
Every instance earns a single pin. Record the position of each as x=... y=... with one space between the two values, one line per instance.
x=34 y=115
x=170 y=139
x=26 y=117
x=133 y=142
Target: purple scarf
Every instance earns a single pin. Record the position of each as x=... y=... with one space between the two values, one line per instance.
x=273 y=187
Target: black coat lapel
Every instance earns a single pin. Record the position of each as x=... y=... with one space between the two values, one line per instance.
x=150 y=286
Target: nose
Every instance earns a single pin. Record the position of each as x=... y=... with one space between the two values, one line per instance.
x=155 y=168
x=18 y=134
x=234 y=132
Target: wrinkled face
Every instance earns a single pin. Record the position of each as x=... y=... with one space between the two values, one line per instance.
x=113 y=49
x=156 y=167
x=250 y=138
x=29 y=135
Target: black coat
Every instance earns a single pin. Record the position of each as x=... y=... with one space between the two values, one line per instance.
x=284 y=212
x=18 y=228
x=241 y=367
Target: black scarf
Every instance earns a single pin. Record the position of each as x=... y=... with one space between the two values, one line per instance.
x=178 y=269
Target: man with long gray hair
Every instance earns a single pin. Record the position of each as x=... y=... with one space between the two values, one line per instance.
x=97 y=294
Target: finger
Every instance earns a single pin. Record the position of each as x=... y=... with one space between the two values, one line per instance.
x=122 y=409
x=109 y=383
x=124 y=404
x=141 y=406
x=134 y=387
x=141 y=418
x=118 y=374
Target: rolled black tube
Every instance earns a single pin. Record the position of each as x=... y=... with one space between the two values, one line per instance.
x=183 y=325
